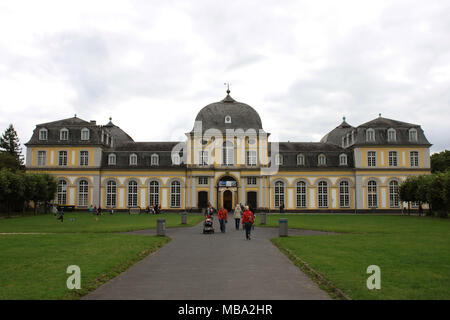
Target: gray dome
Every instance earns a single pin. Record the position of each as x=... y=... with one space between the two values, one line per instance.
x=241 y=116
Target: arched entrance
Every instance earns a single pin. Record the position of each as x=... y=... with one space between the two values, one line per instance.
x=227 y=192
x=228 y=200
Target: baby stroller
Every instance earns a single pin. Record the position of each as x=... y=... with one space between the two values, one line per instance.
x=208 y=224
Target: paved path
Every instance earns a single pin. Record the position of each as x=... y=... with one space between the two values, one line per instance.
x=210 y=267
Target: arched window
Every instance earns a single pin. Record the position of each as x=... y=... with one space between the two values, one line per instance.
x=372 y=198
x=43 y=134
x=412 y=134
x=83 y=193
x=85 y=134
x=322 y=160
x=370 y=135
x=301 y=195
x=279 y=193
x=132 y=194
x=64 y=134
x=228 y=153
x=391 y=135
x=176 y=159
x=278 y=159
x=62 y=192
x=175 y=194
x=111 y=194
x=343 y=160
x=300 y=160
x=153 y=193
x=322 y=194
x=344 y=194
x=133 y=159
x=154 y=160
x=112 y=159
x=393 y=194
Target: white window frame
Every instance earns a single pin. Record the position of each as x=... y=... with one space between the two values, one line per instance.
x=133 y=159
x=41 y=158
x=371 y=158
x=278 y=159
x=61 y=192
x=154 y=160
x=370 y=135
x=85 y=134
x=176 y=160
x=84 y=158
x=412 y=135
x=279 y=194
x=203 y=158
x=394 y=199
x=344 y=194
x=252 y=158
x=153 y=193
x=252 y=181
x=414 y=158
x=63 y=156
x=112 y=159
x=43 y=134
x=228 y=153
x=64 y=134
x=393 y=158
x=322 y=160
x=372 y=194
x=175 y=194
x=83 y=193
x=132 y=193
x=322 y=194
x=300 y=159
x=203 y=181
x=301 y=195
x=343 y=159
x=391 y=135
x=111 y=194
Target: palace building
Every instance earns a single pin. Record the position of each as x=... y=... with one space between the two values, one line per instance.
x=226 y=159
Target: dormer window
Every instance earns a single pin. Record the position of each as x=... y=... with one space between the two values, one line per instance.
x=322 y=160
x=43 y=134
x=278 y=160
x=112 y=159
x=176 y=159
x=85 y=134
x=300 y=160
x=391 y=135
x=64 y=134
x=412 y=135
x=343 y=160
x=133 y=159
x=227 y=119
x=370 y=135
x=154 y=160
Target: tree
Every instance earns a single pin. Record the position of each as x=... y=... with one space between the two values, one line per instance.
x=12 y=189
x=9 y=161
x=10 y=143
x=440 y=162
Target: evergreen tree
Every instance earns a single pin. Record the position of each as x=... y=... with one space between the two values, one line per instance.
x=10 y=143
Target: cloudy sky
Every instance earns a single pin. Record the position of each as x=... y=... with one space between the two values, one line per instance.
x=152 y=65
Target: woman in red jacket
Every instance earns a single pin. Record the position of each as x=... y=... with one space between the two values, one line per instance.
x=247 y=220
x=223 y=219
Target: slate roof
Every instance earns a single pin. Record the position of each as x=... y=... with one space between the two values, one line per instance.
x=335 y=135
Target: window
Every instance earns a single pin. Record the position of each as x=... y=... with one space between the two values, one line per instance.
x=344 y=194
x=203 y=180
x=62 y=158
x=85 y=134
x=391 y=135
x=154 y=160
x=322 y=193
x=300 y=160
x=322 y=160
x=371 y=158
x=392 y=158
x=301 y=195
x=132 y=194
x=370 y=135
x=83 y=193
x=412 y=135
x=43 y=134
x=251 y=181
x=175 y=194
x=414 y=158
x=62 y=192
x=176 y=159
x=84 y=158
x=111 y=194
x=228 y=153
x=153 y=193
x=41 y=158
x=393 y=194
x=251 y=158
x=203 y=158
x=112 y=159
x=278 y=160
x=227 y=119
x=133 y=159
x=343 y=160
x=64 y=134
x=279 y=193
x=372 y=201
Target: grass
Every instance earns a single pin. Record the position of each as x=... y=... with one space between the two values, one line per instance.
x=34 y=266
x=86 y=223
x=412 y=252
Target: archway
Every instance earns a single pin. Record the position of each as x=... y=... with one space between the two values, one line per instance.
x=228 y=200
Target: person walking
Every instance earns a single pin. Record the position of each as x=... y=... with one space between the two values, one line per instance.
x=237 y=215
x=247 y=220
x=61 y=214
x=91 y=209
x=223 y=219
x=54 y=210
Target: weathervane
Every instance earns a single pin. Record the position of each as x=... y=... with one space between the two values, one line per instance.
x=228 y=87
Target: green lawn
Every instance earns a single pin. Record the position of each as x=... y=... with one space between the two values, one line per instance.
x=412 y=252
x=85 y=222
x=34 y=266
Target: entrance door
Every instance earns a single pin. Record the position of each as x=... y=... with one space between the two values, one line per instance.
x=202 y=199
x=228 y=200
x=251 y=199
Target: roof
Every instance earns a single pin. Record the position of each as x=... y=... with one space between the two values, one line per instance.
x=74 y=121
x=335 y=135
x=381 y=122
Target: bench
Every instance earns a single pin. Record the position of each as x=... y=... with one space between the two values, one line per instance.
x=134 y=210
